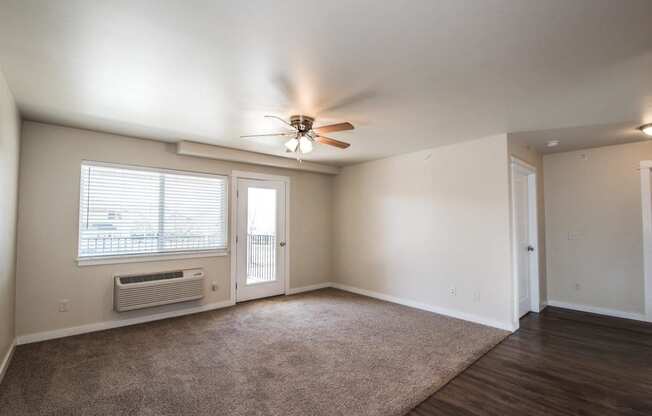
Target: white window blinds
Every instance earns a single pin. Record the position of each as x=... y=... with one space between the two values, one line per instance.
x=136 y=211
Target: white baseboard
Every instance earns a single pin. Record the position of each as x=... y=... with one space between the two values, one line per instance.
x=4 y=365
x=430 y=308
x=100 y=326
x=599 y=311
x=294 y=291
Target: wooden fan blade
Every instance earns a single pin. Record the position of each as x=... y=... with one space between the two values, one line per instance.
x=334 y=127
x=332 y=142
x=268 y=135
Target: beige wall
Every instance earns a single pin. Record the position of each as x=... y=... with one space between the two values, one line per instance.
x=415 y=225
x=529 y=155
x=9 y=150
x=594 y=195
x=47 y=228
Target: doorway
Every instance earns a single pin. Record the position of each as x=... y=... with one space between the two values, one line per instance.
x=525 y=238
x=260 y=237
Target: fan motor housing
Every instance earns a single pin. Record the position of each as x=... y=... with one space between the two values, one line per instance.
x=302 y=123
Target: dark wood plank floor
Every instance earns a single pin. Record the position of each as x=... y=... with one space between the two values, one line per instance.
x=559 y=362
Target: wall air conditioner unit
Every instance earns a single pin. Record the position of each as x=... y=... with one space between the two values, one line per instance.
x=139 y=291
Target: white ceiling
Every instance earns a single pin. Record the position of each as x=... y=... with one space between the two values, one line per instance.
x=409 y=74
x=584 y=137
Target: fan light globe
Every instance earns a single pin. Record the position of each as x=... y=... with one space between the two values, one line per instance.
x=292 y=144
x=305 y=145
x=646 y=129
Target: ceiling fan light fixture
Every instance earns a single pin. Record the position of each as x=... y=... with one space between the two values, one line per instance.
x=305 y=145
x=292 y=144
x=304 y=136
x=646 y=129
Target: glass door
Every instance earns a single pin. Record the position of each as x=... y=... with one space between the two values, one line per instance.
x=260 y=240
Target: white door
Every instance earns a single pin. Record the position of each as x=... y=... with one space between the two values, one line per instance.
x=260 y=241
x=524 y=247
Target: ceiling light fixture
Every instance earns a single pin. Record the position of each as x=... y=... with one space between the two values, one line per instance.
x=553 y=143
x=304 y=136
x=305 y=144
x=301 y=145
x=646 y=129
x=292 y=144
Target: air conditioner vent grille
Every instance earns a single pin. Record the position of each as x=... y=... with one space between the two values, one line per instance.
x=125 y=280
x=155 y=289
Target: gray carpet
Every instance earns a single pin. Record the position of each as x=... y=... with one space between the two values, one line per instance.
x=326 y=352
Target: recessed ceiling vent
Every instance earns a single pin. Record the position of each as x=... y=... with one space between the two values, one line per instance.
x=154 y=289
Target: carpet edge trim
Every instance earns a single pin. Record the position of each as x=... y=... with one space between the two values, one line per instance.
x=454 y=374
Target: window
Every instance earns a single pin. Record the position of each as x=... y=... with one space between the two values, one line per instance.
x=126 y=211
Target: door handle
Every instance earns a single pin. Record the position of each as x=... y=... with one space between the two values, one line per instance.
x=282 y=243
x=530 y=248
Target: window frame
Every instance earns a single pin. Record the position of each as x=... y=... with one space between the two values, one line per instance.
x=158 y=256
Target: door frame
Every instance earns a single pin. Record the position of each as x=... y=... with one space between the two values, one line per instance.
x=238 y=174
x=533 y=221
x=646 y=209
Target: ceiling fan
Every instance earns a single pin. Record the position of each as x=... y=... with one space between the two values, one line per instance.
x=304 y=135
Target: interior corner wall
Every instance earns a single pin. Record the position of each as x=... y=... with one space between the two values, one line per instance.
x=9 y=158
x=594 y=230
x=416 y=226
x=529 y=155
x=48 y=228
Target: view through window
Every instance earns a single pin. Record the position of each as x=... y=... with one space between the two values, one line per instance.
x=131 y=211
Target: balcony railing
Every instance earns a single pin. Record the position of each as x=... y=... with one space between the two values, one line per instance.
x=261 y=258
x=110 y=244
x=261 y=250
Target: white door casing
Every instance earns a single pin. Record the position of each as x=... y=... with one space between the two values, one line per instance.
x=646 y=209
x=524 y=238
x=260 y=253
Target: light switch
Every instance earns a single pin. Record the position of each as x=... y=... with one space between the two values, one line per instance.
x=574 y=235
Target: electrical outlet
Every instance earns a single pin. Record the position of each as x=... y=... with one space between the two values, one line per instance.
x=453 y=291
x=578 y=287
x=63 y=305
x=574 y=235
x=214 y=286
x=476 y=296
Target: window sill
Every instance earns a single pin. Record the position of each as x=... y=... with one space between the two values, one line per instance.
x=141 y=258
